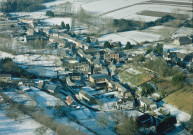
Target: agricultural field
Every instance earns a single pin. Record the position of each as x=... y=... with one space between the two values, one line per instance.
x=182 y=100
x=134 y=77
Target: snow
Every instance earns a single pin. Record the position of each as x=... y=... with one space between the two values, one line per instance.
x=103 y=6
x=183 y=31
x=133 y=37
x=26 y=126
x=133 y=71
x=44 y=99
x=5 y=55
x=58 y=20
x=180 y=115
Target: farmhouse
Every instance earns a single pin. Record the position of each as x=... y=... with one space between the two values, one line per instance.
x=5 y=78
x=51 y=88
x=26 y=83
x=99 y=78
x=75 y=76
x=122 y=90
x=182 y=41
x=125 y=104
x=85 y=97
x=147 y=103
x=70 y=101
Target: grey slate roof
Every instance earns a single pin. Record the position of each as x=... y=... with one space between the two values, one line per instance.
x=101 y=76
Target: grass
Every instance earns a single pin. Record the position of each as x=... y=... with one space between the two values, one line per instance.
x=133 y=78
x=183 y=100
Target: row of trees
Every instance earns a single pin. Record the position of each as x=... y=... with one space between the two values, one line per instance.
x=9 y=67
x=22 y=5
x=147 y=89
x=65 y=26
x=158 y=49
x=125 y=25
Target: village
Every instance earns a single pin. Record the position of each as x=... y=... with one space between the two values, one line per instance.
x=87 y=83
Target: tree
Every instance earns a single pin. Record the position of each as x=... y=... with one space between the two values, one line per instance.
x=166 y=123
x=147 y=89
x=178 y=80
x=68 y=27
x=159 y=49
x=119 y=45
x=88 y=40
x=49 y=13
x=191 y=123
x=40 y=130
x=62 y=25
x=128 y=45
x=107 y=44
x=126 y=126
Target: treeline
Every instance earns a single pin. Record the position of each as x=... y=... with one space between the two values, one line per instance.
x=22 y=5
x=127 y=25
x=9 y=67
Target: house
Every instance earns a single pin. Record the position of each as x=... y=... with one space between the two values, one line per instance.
x=124 y=104
x=122 y=90
x=26 y=20
x=181 y=56
x=70 y=101
x=28 y=38
x=97 y=62
x=51 y=88
x=147 y=104
x=8 y=23
x=41 y=85
x=86 y=46
x=112 y=68
x=89 y=58
x=169 y=56
x=86 y=97
x=78 y=67
x=61 y=42
x=7 y=78
x=81 y=53
x=27 y=83
x=69 y=82
x=75 y=76
x=182 y=41
x=30 y=32
x=99 y=78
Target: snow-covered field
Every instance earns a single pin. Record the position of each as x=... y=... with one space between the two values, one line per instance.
x=26 y=126
x=58 y=20
x=43 y=99
x=132 y=36
x=183 y=31
x=180 y=115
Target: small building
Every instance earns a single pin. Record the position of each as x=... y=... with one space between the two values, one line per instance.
x=124 y=104
x=27 y=83
x=7 y=78
x=97 y=78
x=70 y=101
x=86 y=97
x=51 y=88
x=125 y=93
x=75 y=76
x=147 y=103
x=30 y=32
x=182 y=41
